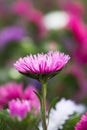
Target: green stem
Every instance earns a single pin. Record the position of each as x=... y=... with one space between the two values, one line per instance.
x=44 y=105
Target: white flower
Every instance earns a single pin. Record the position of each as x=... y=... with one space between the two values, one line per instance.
x=63 y=109
x=56 y=20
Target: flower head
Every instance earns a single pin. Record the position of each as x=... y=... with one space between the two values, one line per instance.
x=10 y=91
x=63 y=109
x=78 y=28
x=37 y=66
x=29 y=93
x=82 y=125
x=19 y=108
x=56 y=20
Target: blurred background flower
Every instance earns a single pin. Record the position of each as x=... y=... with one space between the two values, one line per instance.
x=11 y=34
x=61 y=113
x=14 y=90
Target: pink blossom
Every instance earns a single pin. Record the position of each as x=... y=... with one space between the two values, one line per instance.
x=19 y=108
x=27 y=103
x=21 y=7
x=14 y=90
x=29 y=93
x=75 y=9
x=79 y=31
x=42 y=63
x=78 y=28
x=10 y=91
x=82 y=124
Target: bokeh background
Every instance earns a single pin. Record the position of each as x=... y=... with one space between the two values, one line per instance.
x=36 y=26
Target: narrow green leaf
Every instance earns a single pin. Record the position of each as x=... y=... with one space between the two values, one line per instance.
x=37 y=127
x=52 y=104
x=71 y=122
x=3 y=125
x=4 y=120
x=39 y=97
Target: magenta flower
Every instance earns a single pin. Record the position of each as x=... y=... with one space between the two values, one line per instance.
x=29 y=93
x=19 y=108
x=10 y=91
x=28 y=102
x=13 y=90
x=78 y=28
x=39 y=65
x=21 y=8
x=82 y=124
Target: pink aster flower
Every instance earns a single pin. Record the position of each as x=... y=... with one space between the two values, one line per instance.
x=19 y=108
x=10 y=91
x=82 y=124
x=39 y=65
x=14 y=91
x=78 y=28
x=29 y=93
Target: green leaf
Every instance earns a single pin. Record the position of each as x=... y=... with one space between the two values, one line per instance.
x=53 y=102
x=15 y=124
x=3 y=125
x=71 y=122
x=37 y=127
x=39 y=97
x=4 y=117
